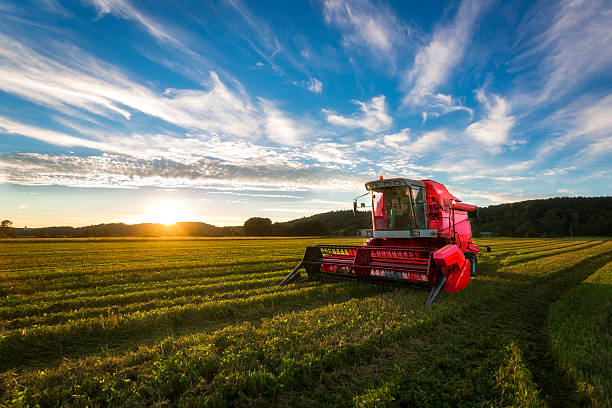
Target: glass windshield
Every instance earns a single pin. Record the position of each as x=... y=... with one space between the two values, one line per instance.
x=398 y=208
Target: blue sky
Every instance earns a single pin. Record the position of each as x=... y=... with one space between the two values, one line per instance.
x=118 y=110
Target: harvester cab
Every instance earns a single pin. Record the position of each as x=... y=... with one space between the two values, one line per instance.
x=421 y=238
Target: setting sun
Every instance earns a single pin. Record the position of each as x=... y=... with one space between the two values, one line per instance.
x=166 y=212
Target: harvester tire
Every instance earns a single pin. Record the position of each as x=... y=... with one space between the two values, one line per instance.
x=473 y=258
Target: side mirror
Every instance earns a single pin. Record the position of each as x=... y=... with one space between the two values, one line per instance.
x=355 y=207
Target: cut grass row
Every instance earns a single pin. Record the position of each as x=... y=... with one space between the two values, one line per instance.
x=28 y=308
x=33 y=258
x=128 y=295
x=33 y=287
x=67 y=279
x=210 y=275
x=26 y=346
x=580 y=325
x=535 y=254
x=160 y=301
x=275 y=361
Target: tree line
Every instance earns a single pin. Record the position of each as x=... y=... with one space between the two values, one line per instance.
x=188 y=229
x=342 y=223
x=553 y=217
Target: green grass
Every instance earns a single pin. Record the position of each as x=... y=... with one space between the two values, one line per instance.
x=202 y=323
x=580 y=325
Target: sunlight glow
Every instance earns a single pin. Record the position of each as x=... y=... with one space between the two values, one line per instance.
x=166 y=212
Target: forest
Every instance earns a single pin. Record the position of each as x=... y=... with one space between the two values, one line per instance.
x=553 y=217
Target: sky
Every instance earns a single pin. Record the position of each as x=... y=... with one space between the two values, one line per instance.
x=134 y=111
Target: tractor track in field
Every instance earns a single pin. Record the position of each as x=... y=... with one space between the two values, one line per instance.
x=525 y=309
x=529 y=315
x=559 y=390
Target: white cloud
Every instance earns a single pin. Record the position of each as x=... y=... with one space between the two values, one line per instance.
x=125 y=9
x=368 y=25
x=602 y=148
x=315 y=85
x=573 y=48
x=256 y=32
x=254 y=195
x=586 y=123
x=373 y=116
x=279 y=127
x=496 y=197
x=53 y=6
x=493 y=130
x=82 y=84
x=297 y=210
x=446 y=103
x=52 y=137
x=559 y=171
x=118 y=171
x=429 y=142
x=397 y=140
x=434 y=62
x=331 y=153
x=401 y=147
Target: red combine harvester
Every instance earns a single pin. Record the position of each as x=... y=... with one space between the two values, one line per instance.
x=421 y=238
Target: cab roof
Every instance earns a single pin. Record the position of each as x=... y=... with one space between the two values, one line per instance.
x=393 y=182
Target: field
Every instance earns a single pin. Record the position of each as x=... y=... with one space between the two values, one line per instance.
x=202 y=323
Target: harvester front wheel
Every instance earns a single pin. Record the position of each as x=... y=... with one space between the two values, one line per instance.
x=473 y=258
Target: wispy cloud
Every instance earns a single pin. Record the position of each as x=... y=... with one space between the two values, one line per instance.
x=117 y=171
x=586 y=124
x=281 y=128
x=404 y=144
x=84 y=84
x=287 y=53
x=493 y=130
x=256 y=32
x=53 y=6
x=569 y=49
x=125 y=9
x=373 y=116
x=315 y=85
x=498 y=197
x=434 y=62
x=254 y=195
x=52 y=137
x=366 y=25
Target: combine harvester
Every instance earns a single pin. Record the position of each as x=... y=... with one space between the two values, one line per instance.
x=421 y=238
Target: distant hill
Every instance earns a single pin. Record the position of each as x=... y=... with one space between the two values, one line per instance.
x=126 y=230
x=582 y=216
x=562 y=216
x=329 y=223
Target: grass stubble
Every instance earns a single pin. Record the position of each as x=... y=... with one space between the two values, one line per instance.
x=201 y=323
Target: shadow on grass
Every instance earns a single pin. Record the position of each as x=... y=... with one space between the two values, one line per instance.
x=528 y=257
x=144 y=271
x=40 y=351
x=455 y=360
x=450 y=357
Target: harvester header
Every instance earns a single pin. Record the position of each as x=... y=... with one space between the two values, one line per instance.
x=421 y=238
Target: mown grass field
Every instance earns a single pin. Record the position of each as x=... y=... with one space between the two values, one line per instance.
x=202 y=323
